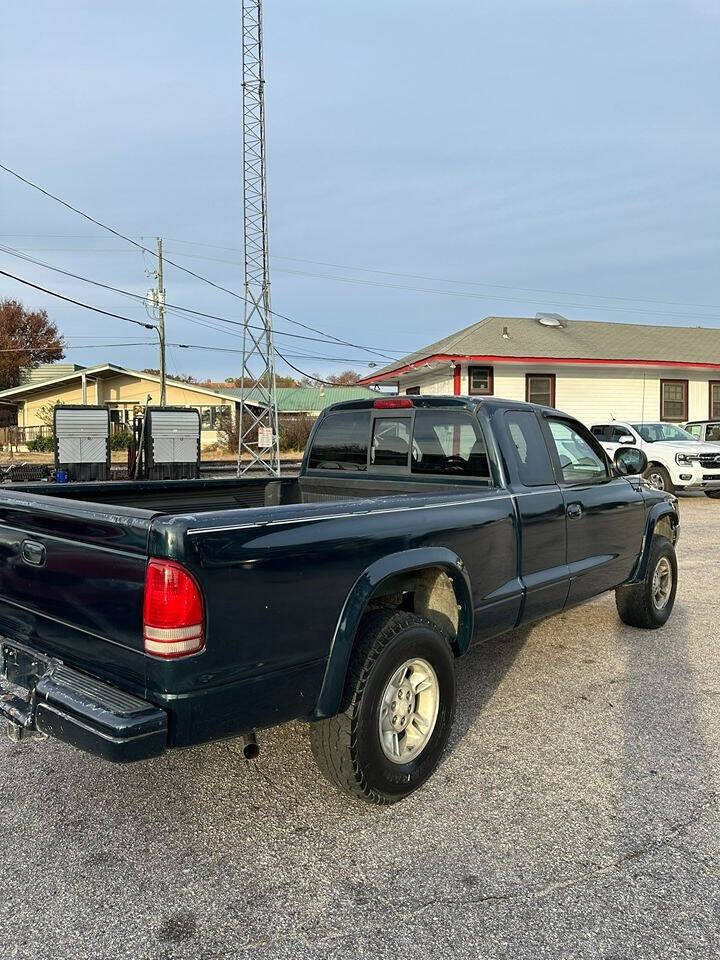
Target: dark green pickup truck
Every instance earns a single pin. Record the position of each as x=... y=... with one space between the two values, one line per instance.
x=136 y=617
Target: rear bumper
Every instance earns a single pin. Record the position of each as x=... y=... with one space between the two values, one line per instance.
x=38 y=694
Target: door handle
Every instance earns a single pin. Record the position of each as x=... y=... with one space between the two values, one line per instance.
x=574 y=510
x=33 y=553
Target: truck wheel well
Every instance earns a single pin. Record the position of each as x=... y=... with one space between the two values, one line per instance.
x=428 y=592
x=665 y=528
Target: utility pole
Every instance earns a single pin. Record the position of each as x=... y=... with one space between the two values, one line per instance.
x=258 y=436
x=160 y=300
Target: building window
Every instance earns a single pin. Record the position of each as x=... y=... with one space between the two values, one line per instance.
x=715 y=399
x=211 y=418
x=674 y=400
x=540 y=388
x=412 y=392
x=480 y=381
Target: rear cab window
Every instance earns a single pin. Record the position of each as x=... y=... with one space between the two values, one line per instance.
x=412 y=442
x=390 y=445
x=341 y=442
x=448 y=442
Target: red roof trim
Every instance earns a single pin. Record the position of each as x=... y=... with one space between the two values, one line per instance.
x=577 y=361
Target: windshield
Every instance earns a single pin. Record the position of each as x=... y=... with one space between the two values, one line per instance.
x=652 y=432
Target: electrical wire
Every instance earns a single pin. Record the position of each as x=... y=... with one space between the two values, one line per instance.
x=77 y=303
x=387 y=273
x=463 y=294
x=479 y=283
x=308 y=376
x=177 y=307
x=178 y=266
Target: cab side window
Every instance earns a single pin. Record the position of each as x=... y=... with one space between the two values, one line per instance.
x=531 y=453
x=695 y=429
x=579 y=462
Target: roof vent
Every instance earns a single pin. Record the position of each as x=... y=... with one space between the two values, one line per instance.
x=551 y=319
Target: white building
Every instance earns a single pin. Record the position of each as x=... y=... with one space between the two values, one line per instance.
x=594 y=371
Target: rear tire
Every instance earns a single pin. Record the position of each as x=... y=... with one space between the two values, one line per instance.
x=648 y=604
x=713 y=494
x=353 y=749
x=659 y=478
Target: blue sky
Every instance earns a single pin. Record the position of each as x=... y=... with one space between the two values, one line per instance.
x=473 y=153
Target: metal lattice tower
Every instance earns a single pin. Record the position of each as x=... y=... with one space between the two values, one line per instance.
x=258 y=424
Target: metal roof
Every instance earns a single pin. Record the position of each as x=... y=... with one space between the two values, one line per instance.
x=47 y=371
x=312 y=399
x=105 y=371
x=589 y=340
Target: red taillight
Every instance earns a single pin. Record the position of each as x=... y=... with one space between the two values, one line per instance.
x=173 y=618
x=392 y=403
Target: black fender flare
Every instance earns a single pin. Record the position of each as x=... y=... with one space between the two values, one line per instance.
x=655 y=514
x=408 y=561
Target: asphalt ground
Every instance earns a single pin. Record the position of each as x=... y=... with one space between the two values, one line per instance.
x=575 y=815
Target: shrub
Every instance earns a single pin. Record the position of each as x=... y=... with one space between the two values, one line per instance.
x=120 y=440
x=41 y=445
x=227 y=434
x=294 y=432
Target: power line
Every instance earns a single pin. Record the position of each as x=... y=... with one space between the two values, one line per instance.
x=389 y=273
x=309 y=376
x=432 y=279
x=173 y=263
x=210 y=316
x=463 y=294
x=78 y=303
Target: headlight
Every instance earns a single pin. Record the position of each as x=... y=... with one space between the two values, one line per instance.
x=683 y=458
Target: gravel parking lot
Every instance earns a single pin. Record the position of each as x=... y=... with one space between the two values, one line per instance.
x=575 y=816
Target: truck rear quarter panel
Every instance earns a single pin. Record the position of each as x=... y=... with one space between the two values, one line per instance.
x=275 y=583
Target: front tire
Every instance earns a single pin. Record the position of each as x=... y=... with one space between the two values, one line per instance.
x=658 y=478
x=648 y=604
x=400 y=704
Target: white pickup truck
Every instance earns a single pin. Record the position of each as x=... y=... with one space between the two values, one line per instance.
x=676 y=459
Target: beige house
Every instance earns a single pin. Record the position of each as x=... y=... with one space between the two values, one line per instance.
x=122 y=390
x=595 y=371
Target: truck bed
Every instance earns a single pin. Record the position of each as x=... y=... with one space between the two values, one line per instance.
x=172 y=497
x=73 y=560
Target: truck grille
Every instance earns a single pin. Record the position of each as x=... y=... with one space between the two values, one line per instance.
x=710 y=462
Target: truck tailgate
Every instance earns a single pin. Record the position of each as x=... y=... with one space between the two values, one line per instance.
x=71 y=582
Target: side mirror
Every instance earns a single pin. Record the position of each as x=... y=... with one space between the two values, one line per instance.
x=630 y=461
x=627 y=439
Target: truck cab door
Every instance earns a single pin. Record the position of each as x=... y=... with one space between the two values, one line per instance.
x=605 y=513
x=540 y=505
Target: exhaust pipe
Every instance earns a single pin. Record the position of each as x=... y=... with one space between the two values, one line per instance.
x=251 y=750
